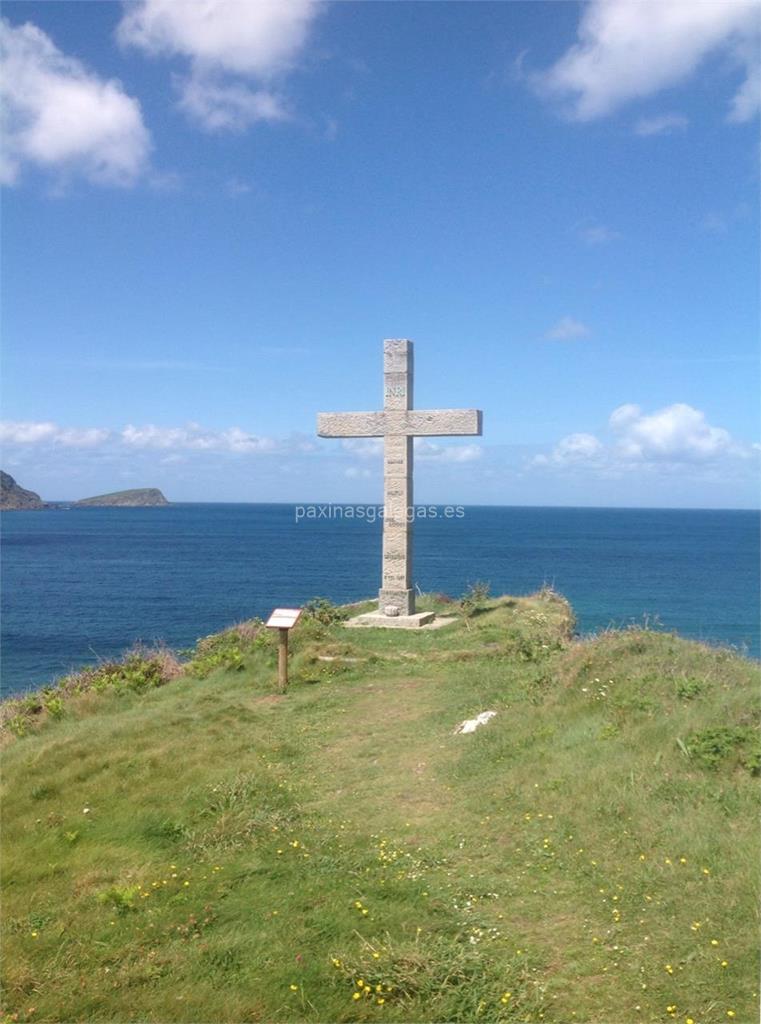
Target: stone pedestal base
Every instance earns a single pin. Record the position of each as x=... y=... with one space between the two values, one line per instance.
x=402 y=600
x=381 y=621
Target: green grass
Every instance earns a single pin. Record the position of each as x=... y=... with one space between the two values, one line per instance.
x=209 y=850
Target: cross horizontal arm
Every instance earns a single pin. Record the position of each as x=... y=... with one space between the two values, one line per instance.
x=351 y=424
x=435 y=422
x=403 y=422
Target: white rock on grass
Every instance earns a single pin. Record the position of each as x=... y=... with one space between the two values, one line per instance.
x=471 y=724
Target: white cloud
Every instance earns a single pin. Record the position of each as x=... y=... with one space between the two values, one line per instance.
x=372 y=448
x=661 y=124
x=228 y=107
x=357 y=473
x=578 y=446
x=191 y=437
x=26 y=432
x=719 y=223
x=248 y=38
x=194 y=438
x=235 y=187
x=747 y=100
x=575 y=448
x=429 y=450
x=228 y=43
x=30 y=432
x=86 y=438
x=621 y=417
x=627 y=51
x=716 y=223
x=59 y=115
x=598 y=234
x=365 y=447
x=677 y=433
x=566 y=329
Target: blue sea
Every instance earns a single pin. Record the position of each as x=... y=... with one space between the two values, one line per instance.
x=85 y=584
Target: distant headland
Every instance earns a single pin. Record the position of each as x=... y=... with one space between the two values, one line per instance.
x=15 y=497
x=12 y=496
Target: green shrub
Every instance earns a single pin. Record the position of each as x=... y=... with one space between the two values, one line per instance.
x=215 y=652
x=16 y=725
x=119 y=898
x=136 y=673
x=228 y=649
x=321 y=610
x=52 y=703
x=141 y=669
x=726 y=746
x=474 y=598
x=751 y=760
x=688 y=689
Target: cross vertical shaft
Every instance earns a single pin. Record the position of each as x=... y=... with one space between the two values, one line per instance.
x=396 y=580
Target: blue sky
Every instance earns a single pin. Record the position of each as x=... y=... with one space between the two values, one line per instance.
x=214 y=212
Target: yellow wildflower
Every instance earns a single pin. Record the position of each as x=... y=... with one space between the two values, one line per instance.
x=356 y=995
x=294 y=988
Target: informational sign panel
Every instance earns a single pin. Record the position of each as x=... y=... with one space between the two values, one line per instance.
x=283 y=618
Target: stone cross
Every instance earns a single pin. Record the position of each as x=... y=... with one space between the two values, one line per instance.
x=398 y=424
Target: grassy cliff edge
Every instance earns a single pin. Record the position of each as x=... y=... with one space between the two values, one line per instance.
x=211 y=850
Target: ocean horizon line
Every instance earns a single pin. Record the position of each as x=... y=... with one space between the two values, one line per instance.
x=421 y=504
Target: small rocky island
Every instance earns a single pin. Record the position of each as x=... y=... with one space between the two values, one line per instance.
x=141 y=497
x=12 y=496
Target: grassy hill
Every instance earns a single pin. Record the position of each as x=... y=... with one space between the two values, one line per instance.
x=209 y=850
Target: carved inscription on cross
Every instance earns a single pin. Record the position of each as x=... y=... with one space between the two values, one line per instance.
x=397 y=425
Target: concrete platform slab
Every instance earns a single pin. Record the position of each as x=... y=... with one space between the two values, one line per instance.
x=420 y=620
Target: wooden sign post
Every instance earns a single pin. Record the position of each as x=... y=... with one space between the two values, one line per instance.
x=283 y=619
